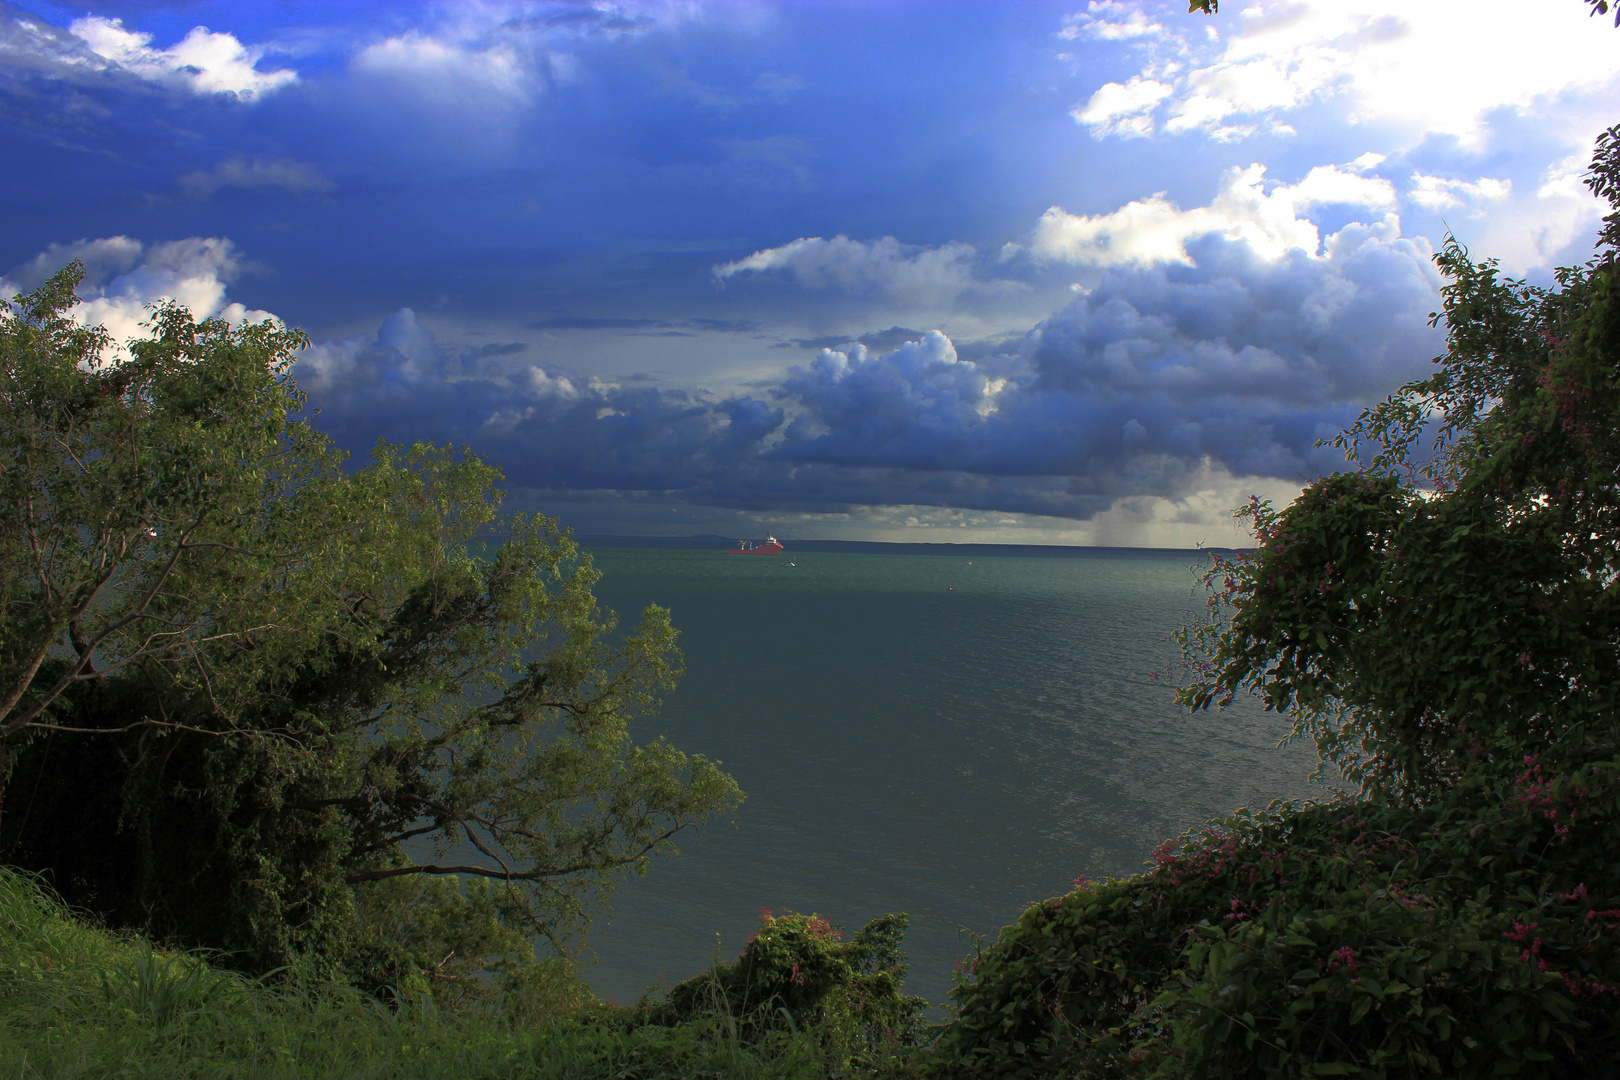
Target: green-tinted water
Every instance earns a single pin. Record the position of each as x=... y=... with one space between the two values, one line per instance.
x=954 y=735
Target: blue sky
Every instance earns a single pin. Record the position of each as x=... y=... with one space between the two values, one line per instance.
x=1086 y=272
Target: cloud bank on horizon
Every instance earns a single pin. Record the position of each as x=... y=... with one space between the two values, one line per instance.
x=673 y=273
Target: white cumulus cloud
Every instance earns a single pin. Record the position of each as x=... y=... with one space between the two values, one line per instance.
x=449 y=72
x=203 y=61
x=1389 y=61
x=1155 y=230
x=1122 y=108
x=1438 y=193
x=1110 y=20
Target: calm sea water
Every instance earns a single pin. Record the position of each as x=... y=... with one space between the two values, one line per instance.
x=953 y=733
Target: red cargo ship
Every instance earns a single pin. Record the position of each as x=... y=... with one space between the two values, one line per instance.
x=750 y=547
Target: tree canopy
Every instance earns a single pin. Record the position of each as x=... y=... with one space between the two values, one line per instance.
x=1454 y=601
x=251 y=694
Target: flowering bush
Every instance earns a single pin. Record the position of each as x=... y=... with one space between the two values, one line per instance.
x=798 y=972
x=1445 y=939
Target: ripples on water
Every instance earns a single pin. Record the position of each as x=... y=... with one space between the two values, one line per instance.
x=954 y=734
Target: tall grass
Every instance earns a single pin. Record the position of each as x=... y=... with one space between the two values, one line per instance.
x=77 y=1001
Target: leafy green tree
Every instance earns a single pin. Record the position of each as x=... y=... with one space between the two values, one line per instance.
x=1453 y=605
x=148 y=508
x=252 y=694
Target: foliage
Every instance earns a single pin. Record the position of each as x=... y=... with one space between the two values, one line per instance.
x=80 y=1002
x=1445 y=624
x=1476 y=936
x=797 y=973
x=1449 y=611
x=146 y=505
x=257 y=697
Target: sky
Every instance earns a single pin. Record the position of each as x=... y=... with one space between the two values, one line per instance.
x=1073 y=273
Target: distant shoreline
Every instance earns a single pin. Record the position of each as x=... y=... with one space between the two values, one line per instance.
x=705 y=541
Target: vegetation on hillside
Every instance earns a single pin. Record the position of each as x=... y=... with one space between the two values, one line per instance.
x=81 y=1003
x=1443 y=622
x=245 y=691
x=254 y=701
x=78 y=1002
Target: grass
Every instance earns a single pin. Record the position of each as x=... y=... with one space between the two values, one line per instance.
x=81 y=1002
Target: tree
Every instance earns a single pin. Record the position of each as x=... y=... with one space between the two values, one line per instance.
x=148 y=507
x=1449 y=609
x=253 y=693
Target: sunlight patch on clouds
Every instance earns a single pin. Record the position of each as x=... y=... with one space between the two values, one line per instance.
x=1391 y=60
x=907 y=273
x=1156 y=230
x=202 y=61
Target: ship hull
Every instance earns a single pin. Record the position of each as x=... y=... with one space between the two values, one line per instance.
x=763 y=549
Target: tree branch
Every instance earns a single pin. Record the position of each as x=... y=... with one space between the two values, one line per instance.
x=527 y=875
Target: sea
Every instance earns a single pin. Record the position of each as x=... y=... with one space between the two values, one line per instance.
x=950 y=731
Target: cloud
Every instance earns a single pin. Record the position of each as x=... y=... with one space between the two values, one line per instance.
x=449 y=73
x=550 y=428
x=260 y=174
x=779 y=154
x=1389 y=61
x=774 y=86
x=1227 y=355
x=1123 y=109
x=504 y=56
x=203 y=62
x=1109 y=20
x=1155 y=230
x=1438 y=193
x=29 y=43
x=1300 y=332
x=908 y=273
x=125 y=276
x=104 y=258
x=1231 y=362
x=1555 y=224
x=878 y=340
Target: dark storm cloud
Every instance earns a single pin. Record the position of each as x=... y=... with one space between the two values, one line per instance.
x=1301 y=330
x=1137 y=387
